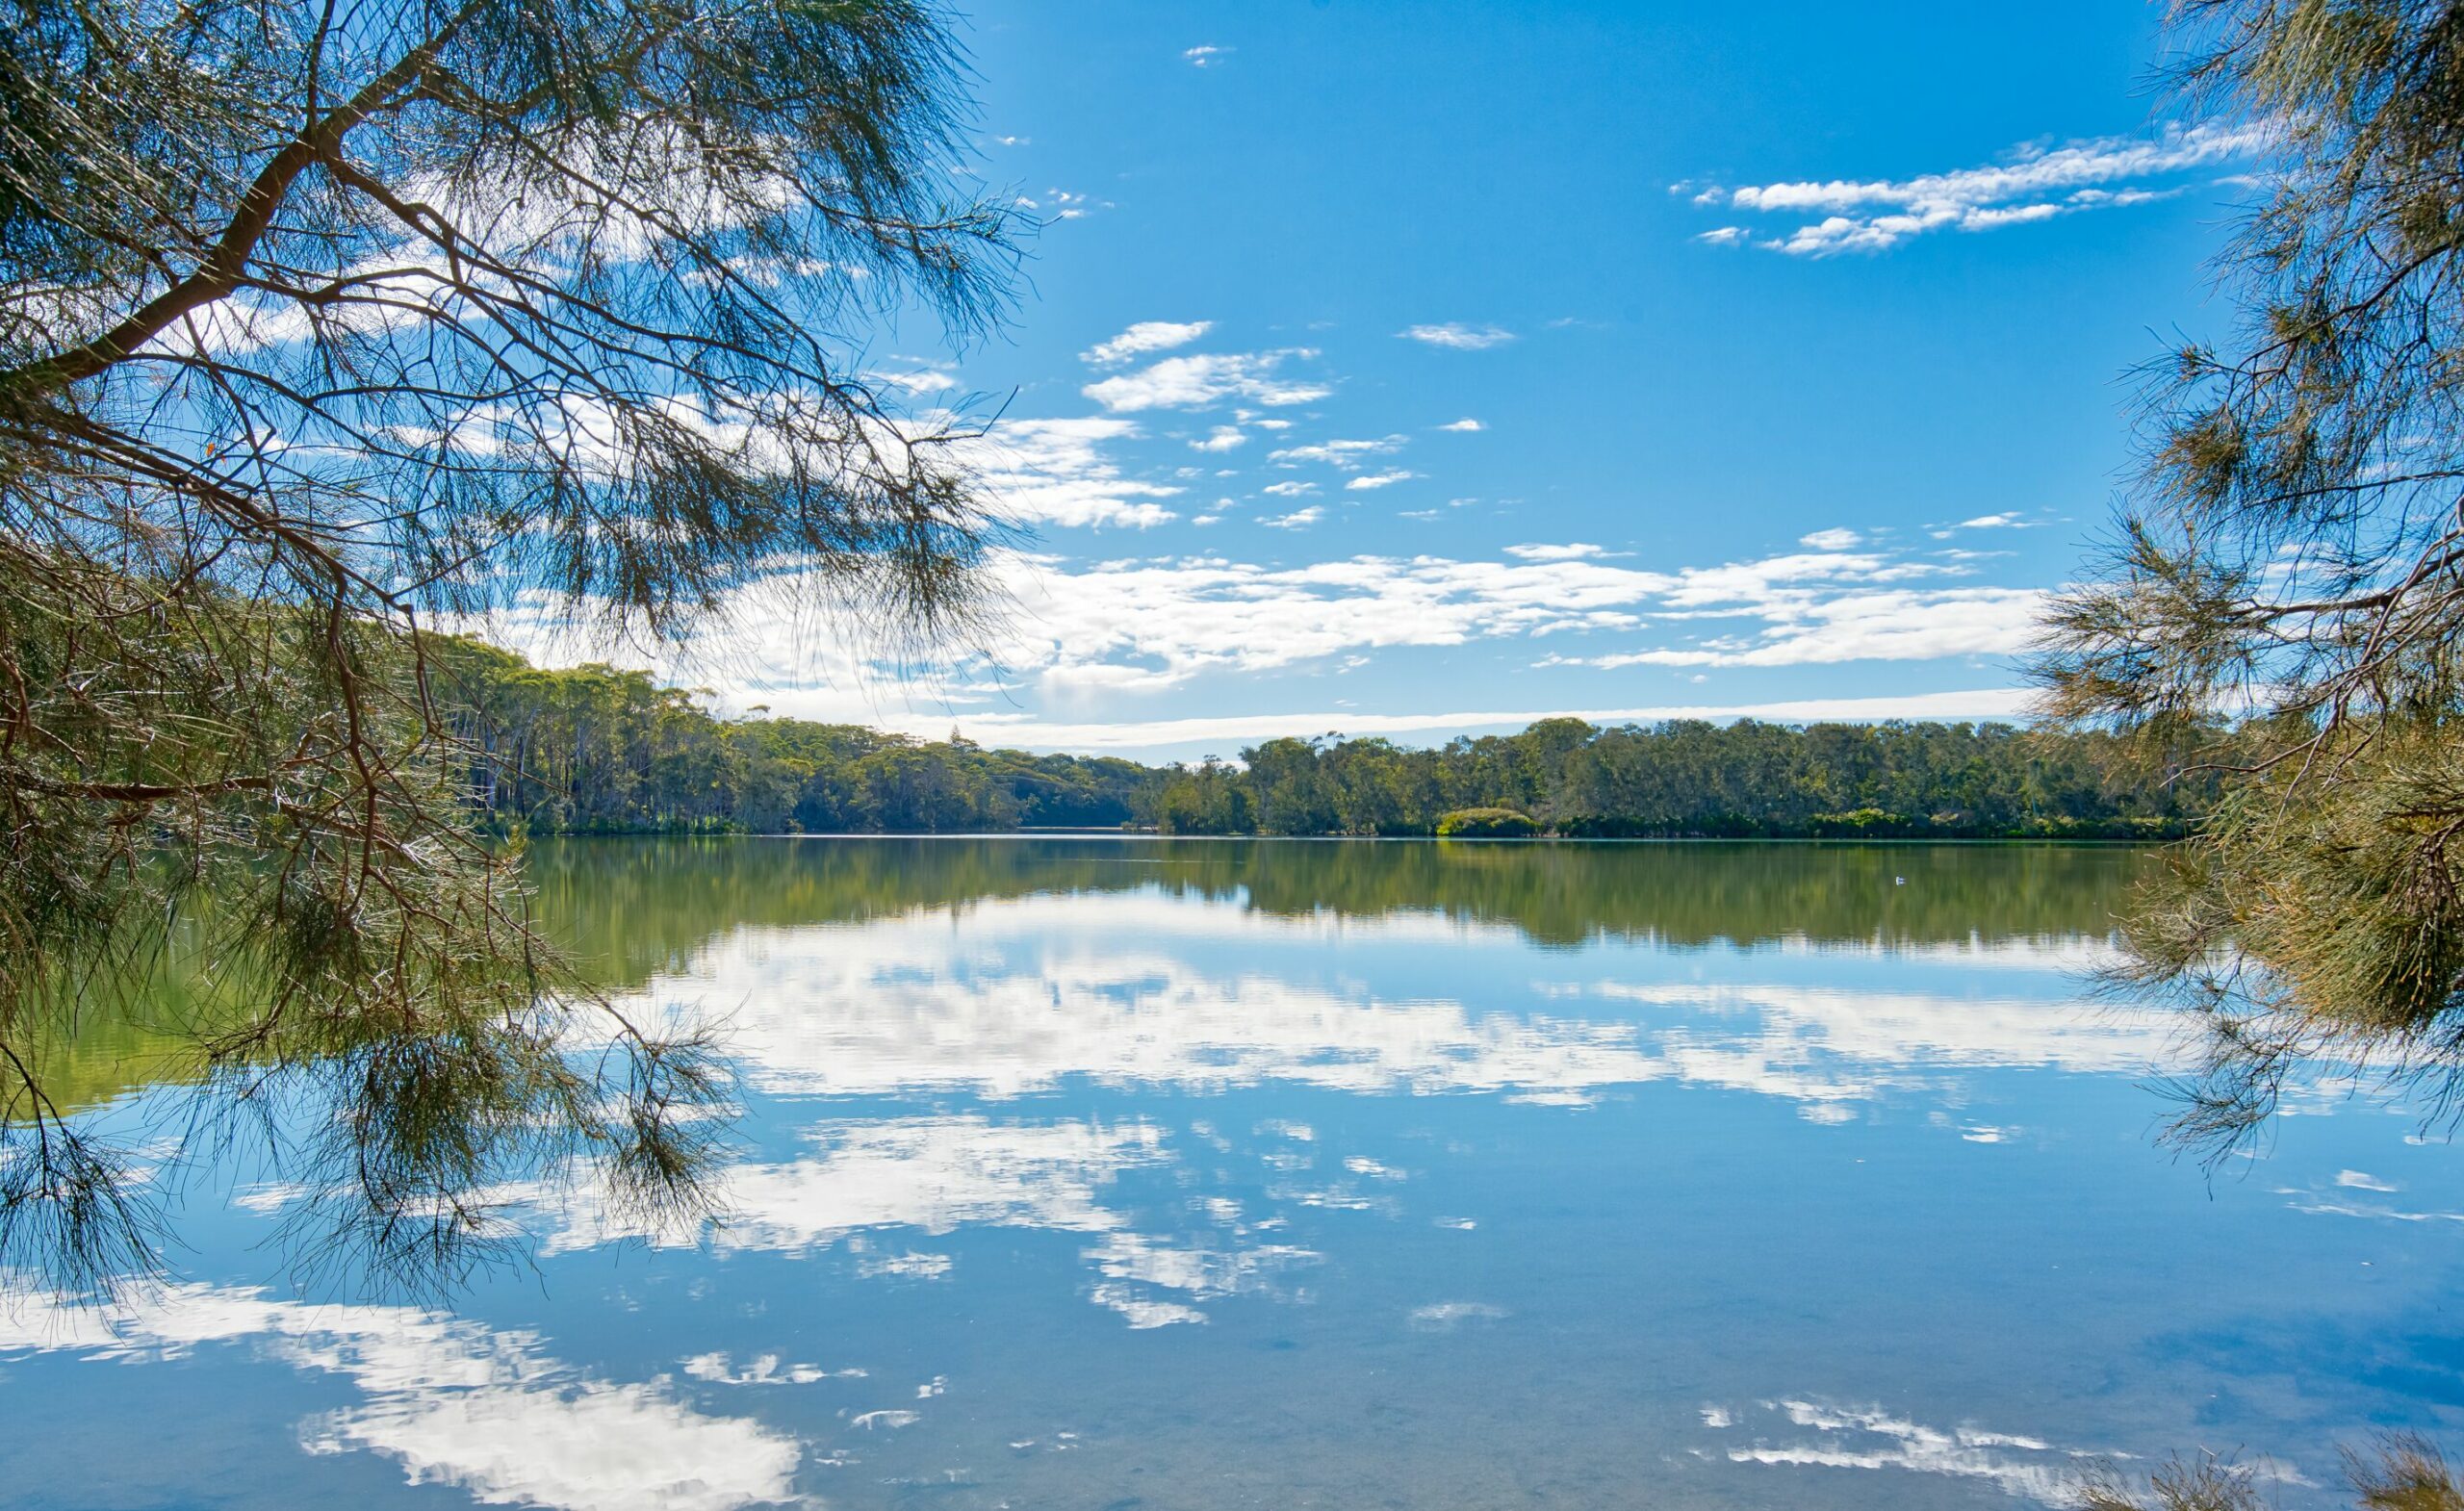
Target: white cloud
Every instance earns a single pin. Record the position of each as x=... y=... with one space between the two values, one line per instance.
x=1833 y=540
x=453 y=1402
x=1991 y=521
x=2036 y=182
x=1457 y=336
x=1057 y=472
x=1296 y=520
x=1463 y=427
x=1143 y=337
x=1379 y=480
x=1725 y=236
x=1292 y=488
x=922 y=380
x=1893 y=626
x=1201 y=380
x=1222 y=438
x=1346 y=455
x=1572 y=551
x=1071 y=205
x=1035 y=732
x=1147 y=624
x=1206 y=55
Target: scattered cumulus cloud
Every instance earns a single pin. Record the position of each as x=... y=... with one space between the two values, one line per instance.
x=1206 y=55
x=1992 y=522
x=1457 y=336
x=1222 y=438
x=2035 y=182
x=1833 y=540
x=1346 y=455
x=1187 y=617
x=1061 y=204
x=1145 y=625
x=1369 y=480
x=1143 y=337
x=1290 y=488
x=1059 y=471
x=1463 y=427
x=1129 y=734
x=1202 y=380
x=1815 y=628
x=922 y=380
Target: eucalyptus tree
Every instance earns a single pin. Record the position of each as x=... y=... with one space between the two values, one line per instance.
x=328 y=323
x=2293 y=555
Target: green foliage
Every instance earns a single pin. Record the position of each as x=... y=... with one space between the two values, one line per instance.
x=1696 y=779
x=1486 y=824
x=321 y=325
x=627 y=909
x=1867 y=823
x=2294 y=549
x=2203 y=1484
x=600 y=751
x=2403 y=1471
x=2346 y=928
x=1214 y=798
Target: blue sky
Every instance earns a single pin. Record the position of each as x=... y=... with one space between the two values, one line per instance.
x=1421 y=368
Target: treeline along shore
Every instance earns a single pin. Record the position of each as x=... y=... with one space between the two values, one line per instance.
x=596 y=750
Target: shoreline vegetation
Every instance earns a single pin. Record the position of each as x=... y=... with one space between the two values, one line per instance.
x=600 y=751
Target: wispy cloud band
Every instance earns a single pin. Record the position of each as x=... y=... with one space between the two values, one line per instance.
x=2035 y=182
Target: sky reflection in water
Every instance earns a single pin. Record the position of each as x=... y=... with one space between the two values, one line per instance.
x=1118 y=1173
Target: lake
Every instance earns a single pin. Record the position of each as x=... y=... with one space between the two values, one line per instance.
x=1186 y=1175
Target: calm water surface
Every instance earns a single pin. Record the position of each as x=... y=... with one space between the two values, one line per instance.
x=1114 y=1175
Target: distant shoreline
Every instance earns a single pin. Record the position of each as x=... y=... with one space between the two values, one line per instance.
x=2098 y=842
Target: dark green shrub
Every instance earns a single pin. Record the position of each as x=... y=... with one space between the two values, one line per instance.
x=1486 y=824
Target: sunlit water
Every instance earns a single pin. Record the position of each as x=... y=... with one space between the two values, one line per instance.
x=1123 y=1174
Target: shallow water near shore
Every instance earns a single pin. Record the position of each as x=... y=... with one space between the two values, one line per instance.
x=1118 y=1173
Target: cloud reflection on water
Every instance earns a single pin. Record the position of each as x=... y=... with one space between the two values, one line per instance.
x=1036 y=990
x=1002 y=1001
x=454 y=1402
x=1032 y=992
x=1870 y=1438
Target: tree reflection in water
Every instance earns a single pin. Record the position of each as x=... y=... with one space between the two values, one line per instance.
x=404 y=1141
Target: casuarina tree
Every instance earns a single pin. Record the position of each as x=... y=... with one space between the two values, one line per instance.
x=2291 y=559
x=328 y=324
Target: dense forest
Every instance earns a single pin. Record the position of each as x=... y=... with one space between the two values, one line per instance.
x=601 y=750
x=594 y=750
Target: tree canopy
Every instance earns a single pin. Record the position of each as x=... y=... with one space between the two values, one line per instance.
x=2292 y=556
x=600 y=750
x=325 y=323
x=1692 y=779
